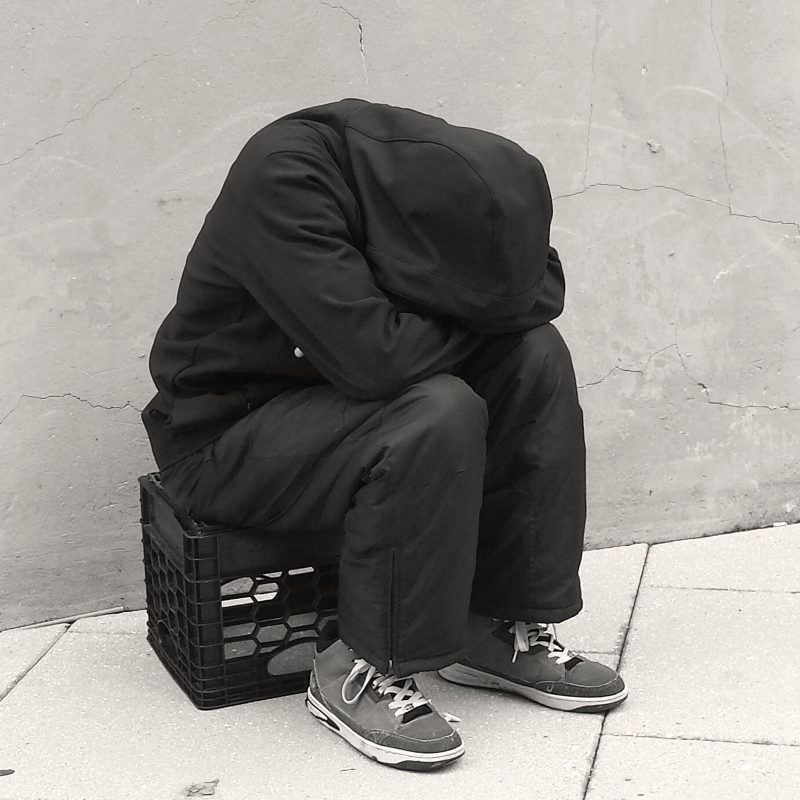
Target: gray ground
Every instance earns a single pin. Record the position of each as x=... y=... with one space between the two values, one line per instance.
x=705 y=631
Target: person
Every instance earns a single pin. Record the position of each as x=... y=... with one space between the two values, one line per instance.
x=363 y=339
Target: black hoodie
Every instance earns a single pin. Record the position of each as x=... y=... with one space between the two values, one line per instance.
x=383 y=243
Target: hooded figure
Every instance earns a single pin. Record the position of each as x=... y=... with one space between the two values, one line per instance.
x=345 y=218
x=456 y=220
x=361 y=341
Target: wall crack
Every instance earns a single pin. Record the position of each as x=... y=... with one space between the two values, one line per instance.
x=609 y=374
x=731 y=213
x=16 y=405
x=639 y=370
x=702 y=386
x=357 y=20
x=131 y=70
x=707 y=392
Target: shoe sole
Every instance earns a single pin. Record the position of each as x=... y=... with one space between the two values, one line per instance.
x=392 y=756
x=468 y=676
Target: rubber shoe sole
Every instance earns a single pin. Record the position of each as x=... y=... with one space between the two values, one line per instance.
x=468 y=676
x=393 y=756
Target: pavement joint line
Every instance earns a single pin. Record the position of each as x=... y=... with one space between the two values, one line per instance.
x=69 y=621
x=720 y=589
x=767 y=526
x=619 y=669
x=19 y=680
x=700 y=739
x=590 y=771
x=633 y=610
x=104 y=612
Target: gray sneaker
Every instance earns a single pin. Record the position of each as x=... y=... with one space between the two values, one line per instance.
x=385 y=717
x=527 y=659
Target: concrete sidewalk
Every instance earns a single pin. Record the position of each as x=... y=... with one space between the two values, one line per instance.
x=706 y=631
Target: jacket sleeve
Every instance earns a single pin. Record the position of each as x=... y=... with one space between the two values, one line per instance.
x=549 y=303
x=306 y=272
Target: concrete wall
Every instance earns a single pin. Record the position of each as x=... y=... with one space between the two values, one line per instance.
x=669 y=129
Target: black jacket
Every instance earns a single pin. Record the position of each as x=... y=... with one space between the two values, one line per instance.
x=381 y=242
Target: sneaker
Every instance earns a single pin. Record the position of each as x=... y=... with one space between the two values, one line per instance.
x=527 y=659
x=385 y=717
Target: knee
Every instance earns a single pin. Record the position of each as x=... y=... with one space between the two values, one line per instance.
x=545 y=358
x=446 y=410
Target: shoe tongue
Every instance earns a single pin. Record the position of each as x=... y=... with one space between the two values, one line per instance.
x=419 y=711
x=545 y=642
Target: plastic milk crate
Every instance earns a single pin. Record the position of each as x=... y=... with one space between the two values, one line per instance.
x=233 y=613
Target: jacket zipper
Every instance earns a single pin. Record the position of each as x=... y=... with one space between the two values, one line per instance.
x=248 y=398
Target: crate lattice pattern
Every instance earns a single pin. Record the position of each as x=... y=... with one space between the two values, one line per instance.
x=236 y=640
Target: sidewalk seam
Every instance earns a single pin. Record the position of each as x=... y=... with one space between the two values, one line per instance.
x=14 y=684
x=721 y=589
x=694 y=537
x=701 y=739
x=619 y=669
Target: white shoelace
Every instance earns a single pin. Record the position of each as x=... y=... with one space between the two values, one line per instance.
x=406 y=696
x=528 y=634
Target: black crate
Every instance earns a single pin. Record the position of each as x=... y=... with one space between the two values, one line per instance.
x=233 y=613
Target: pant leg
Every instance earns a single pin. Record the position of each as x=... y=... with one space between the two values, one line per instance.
x=403 y=476
x=534 y=504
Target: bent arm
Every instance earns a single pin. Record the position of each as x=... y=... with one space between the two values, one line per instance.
x=305 y=271
x=549 y=303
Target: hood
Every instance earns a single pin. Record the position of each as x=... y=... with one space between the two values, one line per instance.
x=455 y=219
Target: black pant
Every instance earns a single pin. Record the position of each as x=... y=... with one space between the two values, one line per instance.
x=462 y=492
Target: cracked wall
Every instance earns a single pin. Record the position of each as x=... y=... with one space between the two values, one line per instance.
x=670 y=132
